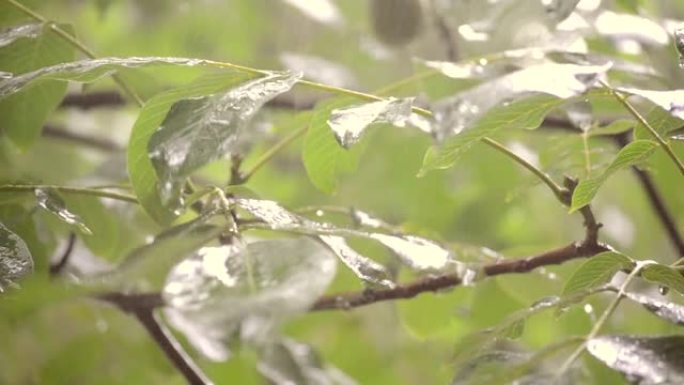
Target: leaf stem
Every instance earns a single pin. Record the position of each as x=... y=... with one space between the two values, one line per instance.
x=265 y=157
x=604 y=318
x=70 y=190
x=663 y=143
x=77 y=44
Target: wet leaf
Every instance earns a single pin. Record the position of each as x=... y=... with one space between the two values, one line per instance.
x=366 y=269
x=22 y=115
x=458 y=113
x=559 y=10
x=287 y=362
x=667 y=310
x=665 y=275
x=205 y=128
x=642 y=360
x=416 y=252
x=15 y=258
x=630 y=155
x=670 y=101
x=140 y=169
x=598 y=270
x=349 y=123
x=251 y=288
x=10 y=35
x=323 y=157
x=522 y=114
x=50 y=200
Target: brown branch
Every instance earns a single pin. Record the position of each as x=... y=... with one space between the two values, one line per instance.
x=162 y=336
x=93 y=100
x=86 y=140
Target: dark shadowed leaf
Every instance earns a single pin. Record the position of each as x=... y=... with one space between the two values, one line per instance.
x=630 y=155
x=665 y=275
x=15 y=258
x=22 y=115
x=253 y=286
x=642 y=360
x=140 y=169
x=667 y=310
x=50 y=200
x=205 y=128
x=522 y=114
x=349 y=123
x=598 y=270
x=286 y=362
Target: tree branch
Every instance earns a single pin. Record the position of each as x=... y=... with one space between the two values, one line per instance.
x=86 y=140
x=93 y=100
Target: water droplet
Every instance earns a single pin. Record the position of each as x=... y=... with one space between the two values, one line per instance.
x=319 y=213
x=588 y=308
x=482 y=62
x=663 y=290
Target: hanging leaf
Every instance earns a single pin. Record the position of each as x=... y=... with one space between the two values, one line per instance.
x=416 y=252
x=670 y=101
x=140 y=169
x=15 y=258
x=202 y=129
x=522 y=114
x=630 y=155
x=458 y=113
x=10 y=35
x=598 y=270
x=323 y=157
x=287 y=362
x=349 y=123
x=30 y=47
x=366 y=269
x=665 y=275
x=642 y=360
x=257 y=285
x=50 y=200
x=667 y=310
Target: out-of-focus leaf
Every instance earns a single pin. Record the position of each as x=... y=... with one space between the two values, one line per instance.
x=598 y=270
x=642 y=360
x=202 y=129
x=418 y=253
x=322 y=11
x=366 y=269
x=52 y=202
x=10 y=35
x=323 y=157
x=22 y=115
x=559 y=10
x=660 y=120
x=140 y=169
x=349 y=123
x=664 y=275
x=458 y=113
x=252 y=287
x=287 y=362
x=670 y=101
x=667 y=310
x=15 y=258
x=319 y=69
x=522 y=114
x=630 y=155
x=625 y=26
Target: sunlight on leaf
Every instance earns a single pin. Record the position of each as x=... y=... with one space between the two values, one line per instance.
x=665 y=275
x=15 y=258
x=50 y=200
x=642 y=360
x=630 y=155
x=598 y=270
x=349 y=123
x=199 y=130
x=261 y=283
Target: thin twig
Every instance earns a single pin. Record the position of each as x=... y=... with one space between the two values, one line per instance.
x=69 y=190
x=85 y=140
x=265 y=157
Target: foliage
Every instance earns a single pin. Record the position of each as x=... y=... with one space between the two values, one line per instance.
x=214 y=164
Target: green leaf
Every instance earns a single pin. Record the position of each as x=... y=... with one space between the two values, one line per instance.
x=522 y=114
x=15 y=258
x=140 y=170
x=50 y=200
x=665 y=275
x=662 y=121
x=662 y=308
x=616 y=127
x=324 y=158
x=22 y=114
x=630 y=155
x=199 y=130
x=597 y=270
